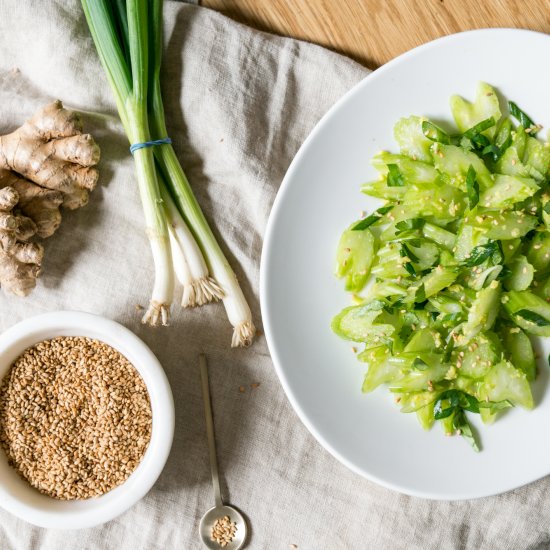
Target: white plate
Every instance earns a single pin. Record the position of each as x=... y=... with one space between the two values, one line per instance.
x=319 y=197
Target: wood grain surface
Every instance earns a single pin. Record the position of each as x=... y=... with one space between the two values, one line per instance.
x=374 y=31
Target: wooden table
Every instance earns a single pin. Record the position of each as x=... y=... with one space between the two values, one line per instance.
x=375 y=31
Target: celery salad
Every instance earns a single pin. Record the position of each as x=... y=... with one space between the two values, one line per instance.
x=450 y=276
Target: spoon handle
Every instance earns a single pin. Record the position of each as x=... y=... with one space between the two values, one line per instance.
x=210 y=430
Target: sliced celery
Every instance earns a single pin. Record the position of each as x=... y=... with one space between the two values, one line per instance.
x=483 y=312
x=354 y=258
x=467 y=215
x=538 y=253
x=411 y=140
x=468 y=114
x=505 y=382
x=520 y=350
x=455 y=162
x=528 y=311
x=503 y=225
x=521 y=274
x=507 y=191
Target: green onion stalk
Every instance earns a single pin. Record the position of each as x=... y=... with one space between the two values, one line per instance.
x=128 y=38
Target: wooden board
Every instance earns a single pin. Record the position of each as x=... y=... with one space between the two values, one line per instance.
x=375 y=31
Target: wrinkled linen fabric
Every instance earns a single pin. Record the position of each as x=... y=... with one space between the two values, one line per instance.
x=239 y=104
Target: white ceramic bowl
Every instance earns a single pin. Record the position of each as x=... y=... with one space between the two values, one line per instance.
x=16 y=495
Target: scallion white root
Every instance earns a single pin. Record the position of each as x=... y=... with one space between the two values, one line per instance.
x=199 y=287
x=158 y=312
x=236 y=306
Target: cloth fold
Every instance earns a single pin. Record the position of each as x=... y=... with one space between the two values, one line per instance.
x=239 y=104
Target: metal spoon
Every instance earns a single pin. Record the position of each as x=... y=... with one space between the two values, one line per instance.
x=220 y=510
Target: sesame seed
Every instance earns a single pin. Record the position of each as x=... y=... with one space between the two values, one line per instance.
x=223 y=531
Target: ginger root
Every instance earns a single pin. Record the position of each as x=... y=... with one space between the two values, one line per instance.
x=51 y=151
x=19 y=260
x=45 y=164
x=39 y=204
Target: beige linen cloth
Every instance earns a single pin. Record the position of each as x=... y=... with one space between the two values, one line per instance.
x=239 y=105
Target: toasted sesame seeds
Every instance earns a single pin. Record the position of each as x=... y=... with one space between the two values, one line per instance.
x=75 y=417
x=223 y=531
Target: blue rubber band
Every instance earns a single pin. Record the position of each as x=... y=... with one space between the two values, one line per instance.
x=137 y=146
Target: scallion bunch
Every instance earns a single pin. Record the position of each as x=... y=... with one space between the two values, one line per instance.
x=128 y=38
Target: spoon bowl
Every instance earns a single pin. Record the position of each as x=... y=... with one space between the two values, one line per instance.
x=208 y=521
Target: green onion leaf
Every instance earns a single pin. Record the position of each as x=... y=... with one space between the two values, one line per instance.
x=395 y=177
x=448 y=350
x=420 y=295
x=480 y=127
x=504 y=273
x=461 y=424
x=457 y=400
x=503 y=140
x=483 y=252
x=452 y=318
x=472 y=403
x=373 y=218
x=419 y=364
x=434 y=133
x=492 y=150
x=440 y=412
x=472 y=187
x=495 y=406
x=533 y=317
x=406 y=251
x=410 y=269
x=409 y=225
x=521 y=117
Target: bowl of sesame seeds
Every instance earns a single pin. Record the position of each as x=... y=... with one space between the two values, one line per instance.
x=86 y=419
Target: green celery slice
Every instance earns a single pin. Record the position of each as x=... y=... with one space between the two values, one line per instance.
x=411 y=140
x=518 y=303
x=520 y=349
x=354 y=258
x=483 y=313
x=455 y=162
x=468 y=114
x=507 y=191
